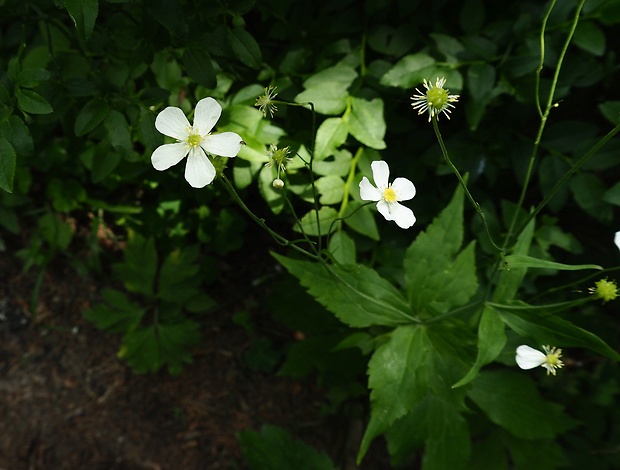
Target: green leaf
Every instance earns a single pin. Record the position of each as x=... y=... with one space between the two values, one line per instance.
x=91 y=115
x=342 y=247
x=512 y=401
x=330 y=188
x=524 y=261
x=16 y=132
x=161 y=344
x=357 y=295
x=417 y=362
x=138 y=269
x=409 y=71
x=589 y=190
x=83 y=13
x=8 y=160
x=480 y=80
x=30 y=78
x=361 y=220
x=245 y=47
x=118 y=314
x=118 y=132
x=510 y=279
x=178 y=275
x=31 y=102
x=328 y=89
x=197 y=62
x=590 y=37
x=366 y=122
x=612 y=195
x=104 y=163
x=332 y=133
x=611 y=111
x=327 y=218
x=274 y=449
x=438 y=277
x=553 y=330
x=491 y=342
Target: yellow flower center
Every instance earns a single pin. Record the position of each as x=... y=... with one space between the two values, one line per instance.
x=437 y=97
x=389 y=194
x=605 y=290
x=194 y=140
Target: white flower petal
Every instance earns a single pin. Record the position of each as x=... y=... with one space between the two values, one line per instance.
x=199 y=170
x=368 y=192
x=384 y=209
x=403 y=216
x=168 y=155
x=380 y=173
x=206 y=114
x=226 y=144
x=617 y=240
x=404 y=189
x=528 y=358
x=173 y=123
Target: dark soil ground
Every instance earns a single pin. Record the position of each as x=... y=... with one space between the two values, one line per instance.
x=67 y=402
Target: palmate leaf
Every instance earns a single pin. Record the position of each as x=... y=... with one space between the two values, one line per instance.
x=438 y=277
x=416 y=364
x=356 y=294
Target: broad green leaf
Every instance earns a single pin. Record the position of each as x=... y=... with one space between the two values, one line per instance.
x=417 y=362
x=55 y=231
x=161 y=344
x=66 y=195
x=588 y=190
x=118 y=314
x=327 y=90
x=91 y=116
x=611 y=111
x=7 y=165
x=331 y=134
x=83 y=13
x=612 y=195
x=590 y=37
x=438 y=277
x=480 y=80
x=340 y=165
x=366 y=122
x=439 y=424
x=555 y=331
x=31 y=102
x=409 y=71
x=327 y=222
x=30 y=78
x=245 y=47
x=330 y=188
x=524 y=261
x=118 y=132
x=197 y=62
x=104 y=163
x=491 y=342
x=361 y=220
x=342 y=247
x=274 y=449
x=512 y=401
x=16 y=132
x=357 y=295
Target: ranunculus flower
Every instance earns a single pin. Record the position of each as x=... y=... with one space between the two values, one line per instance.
x=194 y=141
x=388 y=195
x=528 y=358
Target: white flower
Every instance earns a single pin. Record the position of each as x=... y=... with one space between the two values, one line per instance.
x=389 y=195
x=617 y=240
x=528 y=358
x=194 y=141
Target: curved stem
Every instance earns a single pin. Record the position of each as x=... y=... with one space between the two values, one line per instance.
x=463 y=183
x=543 y=119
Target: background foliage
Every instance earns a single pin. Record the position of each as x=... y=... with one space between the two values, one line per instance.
x=81 y=83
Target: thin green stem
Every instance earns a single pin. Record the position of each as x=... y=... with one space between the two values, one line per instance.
x=542 y=56
x=543 y=119
x=276 y=236
x=471 y=199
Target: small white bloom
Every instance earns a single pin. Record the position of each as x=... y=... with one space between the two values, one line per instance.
x=389 y=195
x=194 y=141
x=617 y=240
x=528 y=358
